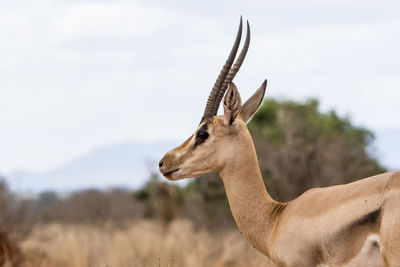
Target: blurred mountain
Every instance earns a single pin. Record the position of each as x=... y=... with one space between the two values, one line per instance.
x=122 y=165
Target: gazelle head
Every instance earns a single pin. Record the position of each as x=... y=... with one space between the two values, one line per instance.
x=217 y=138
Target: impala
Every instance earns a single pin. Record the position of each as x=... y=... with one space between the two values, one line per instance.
x=355 y=224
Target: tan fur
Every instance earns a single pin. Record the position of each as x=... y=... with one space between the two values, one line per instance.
x=332 y=226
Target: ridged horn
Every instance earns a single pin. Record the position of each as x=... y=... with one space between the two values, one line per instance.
x=210 y=111
x=233 y=71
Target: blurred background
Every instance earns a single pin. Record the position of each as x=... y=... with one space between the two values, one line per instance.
x=93 y=93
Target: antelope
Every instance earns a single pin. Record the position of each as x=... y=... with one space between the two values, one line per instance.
x=355 y=224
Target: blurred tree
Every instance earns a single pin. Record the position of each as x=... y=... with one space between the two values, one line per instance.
x=208 y=203
x=300 y=147
x=14 y=226
x=14 y=218
x=43 y=207
x=47 y=198
x=163 y=200
x=90 y=206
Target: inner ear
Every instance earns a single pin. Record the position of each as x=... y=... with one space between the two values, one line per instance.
x=232 y=104
x=254 y=102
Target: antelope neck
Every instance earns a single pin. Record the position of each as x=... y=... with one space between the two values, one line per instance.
x=252 y=207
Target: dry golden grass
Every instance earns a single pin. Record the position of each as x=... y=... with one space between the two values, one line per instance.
x=142 y=243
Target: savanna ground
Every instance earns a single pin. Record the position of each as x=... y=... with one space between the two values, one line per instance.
x=140 y=243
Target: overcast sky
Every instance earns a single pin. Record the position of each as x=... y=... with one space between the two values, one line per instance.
x=75 y=75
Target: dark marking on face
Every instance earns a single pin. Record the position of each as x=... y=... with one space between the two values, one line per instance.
x=201 y=135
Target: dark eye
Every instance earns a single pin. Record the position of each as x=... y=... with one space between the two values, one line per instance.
x=201 y=137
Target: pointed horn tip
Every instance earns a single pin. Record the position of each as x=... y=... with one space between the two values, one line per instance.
x=240 y=27
x=241 y=20
x=263 y=87
x=248 y=26
x=265 y=83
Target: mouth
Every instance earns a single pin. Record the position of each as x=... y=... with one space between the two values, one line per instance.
x=169 y=173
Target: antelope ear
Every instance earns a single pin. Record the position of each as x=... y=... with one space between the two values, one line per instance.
x=232 y=104
x=253 y=103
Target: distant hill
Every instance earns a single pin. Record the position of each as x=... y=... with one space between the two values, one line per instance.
x=125 y=165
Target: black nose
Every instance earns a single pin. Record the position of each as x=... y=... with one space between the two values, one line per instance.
x=160 y=164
